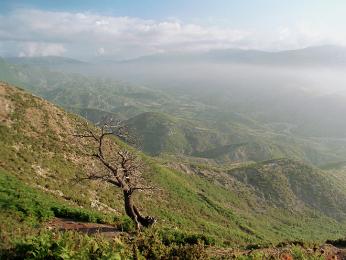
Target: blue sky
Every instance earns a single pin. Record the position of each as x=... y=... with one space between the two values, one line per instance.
x=232 y=12
x=258 y=24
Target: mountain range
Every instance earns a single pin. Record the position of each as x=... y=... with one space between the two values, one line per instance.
x=244 y=126
x=244 y=155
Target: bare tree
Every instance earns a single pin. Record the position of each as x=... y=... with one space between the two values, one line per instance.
x=119 y=167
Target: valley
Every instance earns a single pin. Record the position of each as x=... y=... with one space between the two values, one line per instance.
x=237 y=175
x=172 y=130
x=231 y=198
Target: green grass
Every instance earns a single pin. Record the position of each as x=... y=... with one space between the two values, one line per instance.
x=35 y=206
x=24 y=210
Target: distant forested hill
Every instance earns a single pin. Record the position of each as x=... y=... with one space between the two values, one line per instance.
x=246 y=126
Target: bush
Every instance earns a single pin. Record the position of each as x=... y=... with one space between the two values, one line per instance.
x=196 y=251
x=298 y=253
x=73 y=245
x=126 y=224
x=181 y=238
x=337 y=243
x=67 y=245
x=151 y=246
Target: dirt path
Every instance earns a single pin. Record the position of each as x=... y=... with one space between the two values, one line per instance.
x=62 y=224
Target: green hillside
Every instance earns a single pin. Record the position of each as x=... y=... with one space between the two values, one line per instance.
x=291 y=184
x=161 y=133
x=40 y=154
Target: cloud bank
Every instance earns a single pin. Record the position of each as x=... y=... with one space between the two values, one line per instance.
x=87 y=35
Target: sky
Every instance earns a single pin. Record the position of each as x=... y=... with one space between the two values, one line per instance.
x=126 y=29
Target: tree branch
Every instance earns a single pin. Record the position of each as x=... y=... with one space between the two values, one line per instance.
x=85 y=136
x=143 y=188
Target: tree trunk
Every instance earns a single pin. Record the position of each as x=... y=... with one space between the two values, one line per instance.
x=129 y=208
x=132 y=211
x=146 y=221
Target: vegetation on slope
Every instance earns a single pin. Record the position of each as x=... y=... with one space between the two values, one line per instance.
x=185 y=124
x=23 y=234
x=292 y=184
x=38 y=148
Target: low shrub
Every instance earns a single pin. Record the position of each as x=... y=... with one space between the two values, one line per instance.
x=151 y=246
x=181 y=238
x=196 y=251
x=337 y=243
x=73 y=245
x=67 y=245
x=126 y=224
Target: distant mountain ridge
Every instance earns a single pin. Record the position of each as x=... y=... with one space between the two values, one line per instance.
x=44 y=60
x=324 y=55
x=319 y=55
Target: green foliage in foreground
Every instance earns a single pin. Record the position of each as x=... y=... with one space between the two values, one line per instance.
x=72 y=245
x=296 y=253
x=147 y=245
x=69 y=245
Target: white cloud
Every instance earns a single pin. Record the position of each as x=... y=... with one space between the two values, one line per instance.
x=36 y=32
x=82 y=33
x=31 y=49
x=101 y=51
x=303 y=35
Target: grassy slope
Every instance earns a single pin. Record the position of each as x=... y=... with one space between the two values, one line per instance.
x=292 y=184
x=23 y=208
x=38 y=149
